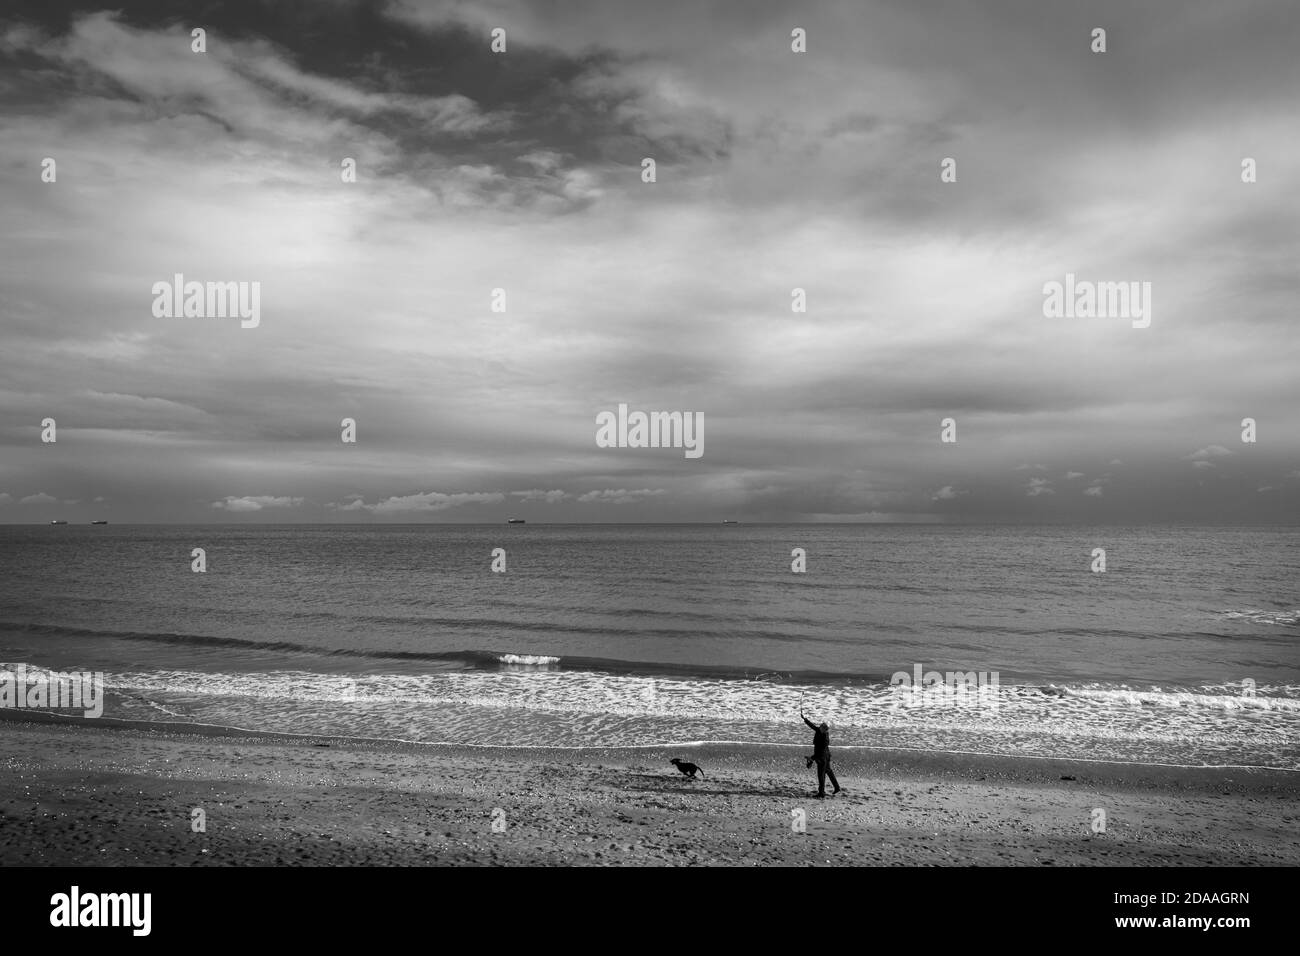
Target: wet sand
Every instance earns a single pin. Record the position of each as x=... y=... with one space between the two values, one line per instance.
x=81 y=793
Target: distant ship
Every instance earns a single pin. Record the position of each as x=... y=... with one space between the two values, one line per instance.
x=515 y=521
x=58 y=522
x=729 y=521
x=99 y=522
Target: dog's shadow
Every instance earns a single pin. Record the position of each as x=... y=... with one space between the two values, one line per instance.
x=680 y=783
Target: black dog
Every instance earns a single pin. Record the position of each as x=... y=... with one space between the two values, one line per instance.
x=687 y=768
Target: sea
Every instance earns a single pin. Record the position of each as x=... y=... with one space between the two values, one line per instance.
x=995 y=640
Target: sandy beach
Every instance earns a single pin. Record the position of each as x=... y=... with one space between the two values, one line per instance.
x=106 y=795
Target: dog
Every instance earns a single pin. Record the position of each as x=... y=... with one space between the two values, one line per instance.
x=687 y=768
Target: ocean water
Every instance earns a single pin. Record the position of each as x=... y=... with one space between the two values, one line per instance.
x=1185 y=651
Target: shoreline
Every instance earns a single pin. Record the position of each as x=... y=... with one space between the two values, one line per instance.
x=1130 y=770
x=113 y=794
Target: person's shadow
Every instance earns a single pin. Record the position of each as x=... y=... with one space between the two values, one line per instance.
x=665 y=783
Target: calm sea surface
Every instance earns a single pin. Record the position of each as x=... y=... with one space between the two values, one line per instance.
x=1186 y=651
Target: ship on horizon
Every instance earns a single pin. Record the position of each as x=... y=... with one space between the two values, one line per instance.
x=57 y=521
x=516 y=521
x=100 y=521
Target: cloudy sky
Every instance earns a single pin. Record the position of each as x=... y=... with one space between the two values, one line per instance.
x=775 y=170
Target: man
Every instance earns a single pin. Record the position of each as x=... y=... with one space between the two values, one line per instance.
x=822 y=755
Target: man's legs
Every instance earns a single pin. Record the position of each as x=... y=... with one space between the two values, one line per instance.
x=831 y=773
x=822 y=767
